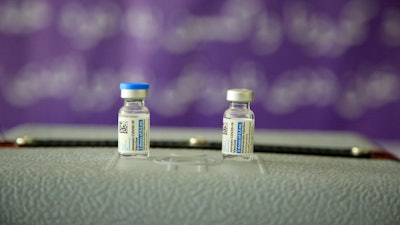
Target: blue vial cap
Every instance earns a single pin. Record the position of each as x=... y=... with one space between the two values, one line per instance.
x=134 y=86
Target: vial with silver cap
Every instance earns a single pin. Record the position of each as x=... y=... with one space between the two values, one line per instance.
x=238 y=125
x=134 y=121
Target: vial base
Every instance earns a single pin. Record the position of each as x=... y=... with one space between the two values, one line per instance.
x=141 y=155
x=238 y=157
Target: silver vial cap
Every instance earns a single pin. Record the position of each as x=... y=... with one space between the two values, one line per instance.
x=239 y=95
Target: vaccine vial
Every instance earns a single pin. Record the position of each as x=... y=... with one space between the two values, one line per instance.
x=134 y=121
x=238 y=126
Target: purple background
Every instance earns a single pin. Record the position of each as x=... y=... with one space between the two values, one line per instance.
x=331 y=65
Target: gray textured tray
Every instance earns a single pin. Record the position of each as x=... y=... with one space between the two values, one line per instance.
x=92 y=186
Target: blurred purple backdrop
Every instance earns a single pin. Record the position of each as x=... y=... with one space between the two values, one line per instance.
x=332 y=65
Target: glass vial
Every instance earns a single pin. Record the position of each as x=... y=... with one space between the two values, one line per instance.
x=238 y=126
x=134 y=121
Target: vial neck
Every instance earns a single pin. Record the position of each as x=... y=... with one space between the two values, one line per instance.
x=240 y=105
x=134 y=102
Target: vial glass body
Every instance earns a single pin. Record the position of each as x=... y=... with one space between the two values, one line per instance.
x=134 y=129
x=238 y=131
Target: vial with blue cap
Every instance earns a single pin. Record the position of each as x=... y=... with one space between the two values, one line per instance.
x=134 y=121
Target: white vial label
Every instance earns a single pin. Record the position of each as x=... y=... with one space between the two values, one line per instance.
x=238 y=136
x=133 y=134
